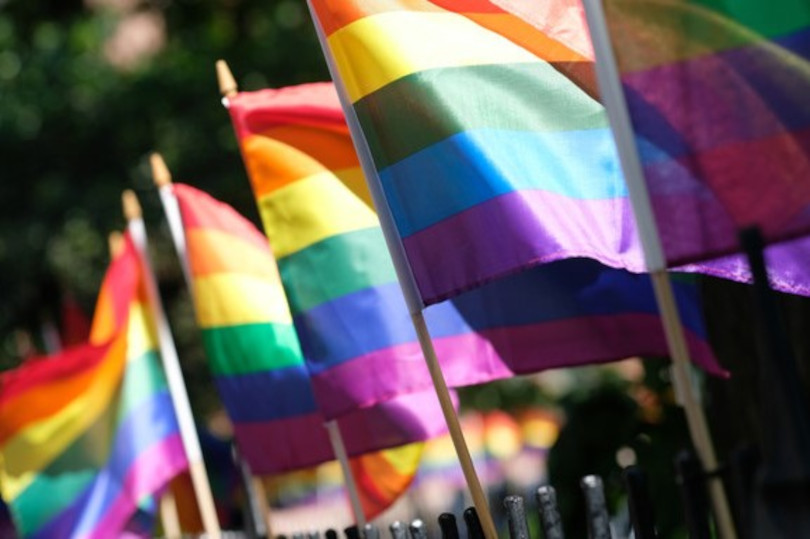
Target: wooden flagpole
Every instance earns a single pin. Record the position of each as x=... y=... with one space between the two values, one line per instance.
x=616 y=107
x=254 y=489
x=336 y=438
x=174 y=376
x=169 y=517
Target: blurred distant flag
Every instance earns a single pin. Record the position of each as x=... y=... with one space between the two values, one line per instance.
x=89 y=435
x=480 y=122
x=254 y=352
x=582 y=313
x=383 y=476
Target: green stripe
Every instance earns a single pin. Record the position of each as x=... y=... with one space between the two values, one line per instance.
x=144 y=377
x=401 y=118
x=335 y=267
x=249 y=348
x=47 y=496
x=769 y=19
x=70 y=473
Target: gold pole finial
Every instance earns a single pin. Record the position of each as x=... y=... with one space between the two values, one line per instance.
x=115 y=243
x=160 y=172
x=132 y=208
x=227 y=84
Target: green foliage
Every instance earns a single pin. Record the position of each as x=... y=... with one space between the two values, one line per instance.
x=76 y=130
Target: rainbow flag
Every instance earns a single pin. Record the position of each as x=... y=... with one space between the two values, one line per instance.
x=89 y=435
x=344 y=295
x=717 y=94
x=296 y=144
x=255 y=356
x=383 y=476
x=481 y=124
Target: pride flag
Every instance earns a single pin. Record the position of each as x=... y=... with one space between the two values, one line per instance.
x=383 y=476
x=717 y=94
x=296 y=144
x=255 y=356
x=87 y=436
x=355 y=330
x=480 y=121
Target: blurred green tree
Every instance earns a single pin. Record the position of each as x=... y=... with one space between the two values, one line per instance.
x=87 y=91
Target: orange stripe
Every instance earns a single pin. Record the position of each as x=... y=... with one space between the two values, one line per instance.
x=271 y=164
x=527 y=36
x=104 y=323
x=211 y=251
x=44 y=400
x=334 y=148
x=335 y=14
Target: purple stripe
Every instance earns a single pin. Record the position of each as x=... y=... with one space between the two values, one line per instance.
x=140 y=431
x=147 y=474
x=381 y=374
x=407 y=418
x=281 y=445
x=535 y=347
x=151 y=472
x=289 y=444
x=511 y=233
x=511 y=236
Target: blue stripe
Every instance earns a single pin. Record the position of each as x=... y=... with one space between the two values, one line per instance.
x=152 y=421
x=375 y=319
x=472 y=167
x=568 y=289
x=365 y=321
x=267 y=395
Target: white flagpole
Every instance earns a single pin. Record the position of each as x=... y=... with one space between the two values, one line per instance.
x=410 y=291
x=336 y=438
x=619 y=117
x=174 y=376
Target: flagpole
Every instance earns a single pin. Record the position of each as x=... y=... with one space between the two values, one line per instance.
x=174 y=376
x=336 y=438
x=169 y=517
x=163 y=180
x=618 y=115
x=410 y=292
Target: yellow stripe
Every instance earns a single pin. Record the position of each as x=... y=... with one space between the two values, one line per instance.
x=34 y=447
x=405 y=459
x=354 y=180
x=228 y=299
x=142 y=335
x=311 y=210
x=376 y=50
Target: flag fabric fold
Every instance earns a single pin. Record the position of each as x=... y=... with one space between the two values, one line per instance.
x=88 y=435
x=493 y=153
x=256 y=358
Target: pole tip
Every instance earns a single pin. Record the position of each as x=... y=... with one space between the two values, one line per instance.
x=227 y=84
x=160 y=172
x=132 y=208
x=115 y=243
